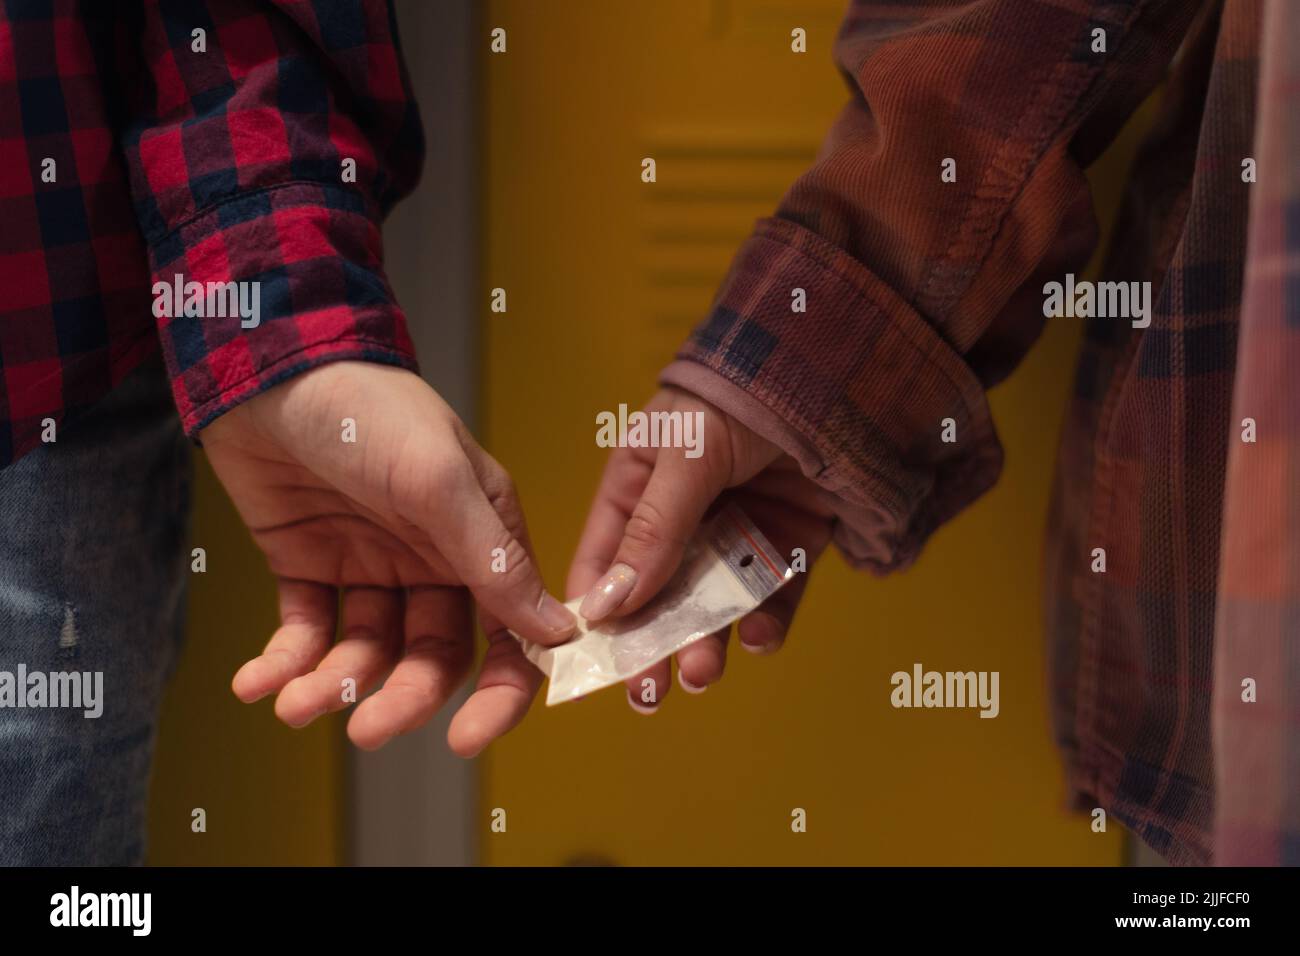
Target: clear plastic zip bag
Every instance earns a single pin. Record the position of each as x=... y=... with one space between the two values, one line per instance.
x=729 y=569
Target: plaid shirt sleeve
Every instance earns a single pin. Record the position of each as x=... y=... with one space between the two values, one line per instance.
x=922 y=290
x=1257 y=627
x=237 y=151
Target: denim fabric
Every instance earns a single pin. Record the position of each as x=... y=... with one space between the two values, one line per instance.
x=93 y=571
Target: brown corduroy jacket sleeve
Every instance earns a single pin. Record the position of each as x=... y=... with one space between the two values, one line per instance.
x=949 y=190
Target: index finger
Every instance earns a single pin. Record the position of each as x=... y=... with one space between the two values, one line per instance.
x=506 y=686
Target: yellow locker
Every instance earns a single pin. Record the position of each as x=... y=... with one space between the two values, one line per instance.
x=605 y=275
x=271 y=796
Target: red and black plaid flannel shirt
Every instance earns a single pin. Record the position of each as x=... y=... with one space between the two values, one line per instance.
x=216 y=155
x=921 y=294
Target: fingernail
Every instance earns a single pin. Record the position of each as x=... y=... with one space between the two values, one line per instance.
x=609 y=593
x=688 y=686
x=556 y=616
x=300 y=724
x=764 y=648
x=641 y=708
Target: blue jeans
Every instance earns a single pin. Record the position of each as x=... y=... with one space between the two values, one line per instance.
x=93 y=571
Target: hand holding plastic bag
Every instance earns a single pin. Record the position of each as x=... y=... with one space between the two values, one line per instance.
x=728 y=569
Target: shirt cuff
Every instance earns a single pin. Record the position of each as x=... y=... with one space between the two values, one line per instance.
x=877 y=409
x=306 y=263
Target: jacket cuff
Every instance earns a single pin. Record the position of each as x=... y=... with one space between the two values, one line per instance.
x=305 y=261
x=856 y=388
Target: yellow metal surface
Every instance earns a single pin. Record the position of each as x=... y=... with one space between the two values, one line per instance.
x=605 y=275
x=272 y=796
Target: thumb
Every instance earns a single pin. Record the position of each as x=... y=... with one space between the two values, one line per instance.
x=675 y=498
x=487 y=520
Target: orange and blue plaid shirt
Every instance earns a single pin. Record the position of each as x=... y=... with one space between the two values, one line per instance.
x=921 y=294
x=207 y=139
